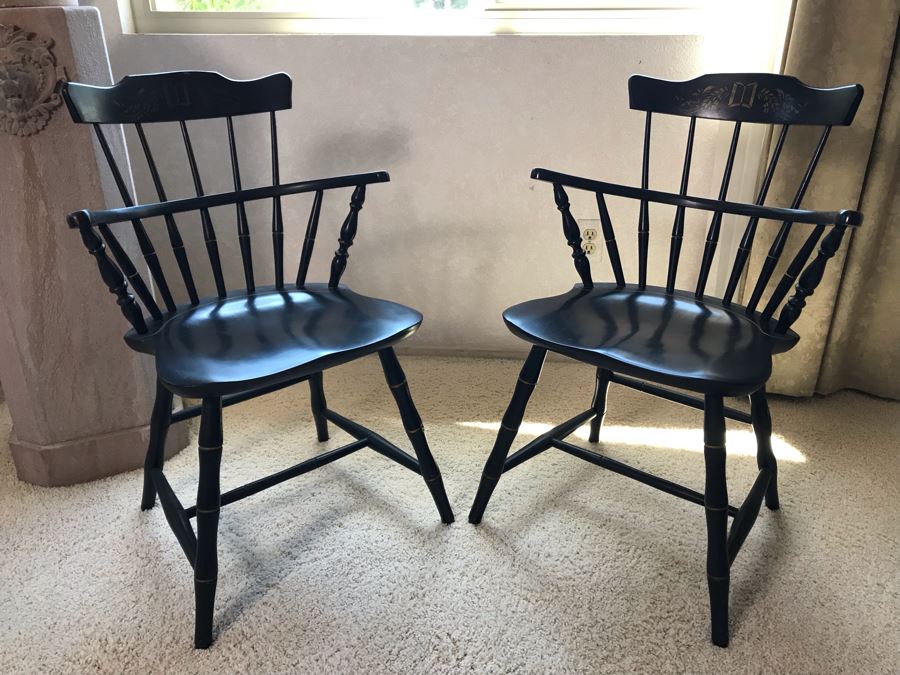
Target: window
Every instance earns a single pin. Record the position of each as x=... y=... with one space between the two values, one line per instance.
x=418 y=17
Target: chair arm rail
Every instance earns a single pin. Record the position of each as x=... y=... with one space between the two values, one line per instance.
x=89 y=218
x=845 y=217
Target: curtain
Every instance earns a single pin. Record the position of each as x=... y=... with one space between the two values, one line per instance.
x=849 y=329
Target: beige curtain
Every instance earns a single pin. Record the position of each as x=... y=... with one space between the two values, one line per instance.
x=850 y=329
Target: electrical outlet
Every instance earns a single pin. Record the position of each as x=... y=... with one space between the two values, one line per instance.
x=588 y=247
x=589 y=234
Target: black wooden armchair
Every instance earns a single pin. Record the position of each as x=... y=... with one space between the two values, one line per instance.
x=241 y=343
x=643 y=336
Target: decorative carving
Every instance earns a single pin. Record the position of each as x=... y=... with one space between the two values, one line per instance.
x=29 y=81
x=741 y=94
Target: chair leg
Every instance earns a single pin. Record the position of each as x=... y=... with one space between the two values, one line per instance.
x=599 y=404
x=206 y=568
x=160 y=420
x=509 y=427
x=317 y=402
x=765 y=458
x=412 y=422
x=716 y=502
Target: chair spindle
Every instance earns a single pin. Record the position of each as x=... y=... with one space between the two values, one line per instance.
x=277 y=221
x=309 y=241
x=715 y=224
x=792 y=272
x=810 y=279
x=743 y=252
x=777 y=247
x=209 y=232
x=644 y=217
x=678 y=225
x=140 y=232
x=348 y=233
x=112 y=277
x=171 y=227
x=242 y=226
x=573 y=236
x=131 y=274
x=609 y=236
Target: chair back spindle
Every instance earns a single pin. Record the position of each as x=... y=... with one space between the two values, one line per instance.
x=309 y=241
x=277 y=220
x=174 y=235
x=644 y=215
x=209 y=232
x=678 y=225
x=746 y=244
x=243 y=227
x=609 y=236
x=715 y=225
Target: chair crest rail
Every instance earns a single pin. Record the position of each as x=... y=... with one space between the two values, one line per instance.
x=110 y=216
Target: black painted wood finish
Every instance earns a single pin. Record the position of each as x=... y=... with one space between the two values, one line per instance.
x=242 y=343
x=663 y=340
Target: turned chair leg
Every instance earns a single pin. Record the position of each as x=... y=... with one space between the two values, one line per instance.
x=208 y=502
x=509 y=427
x=716 y=502
x=765 y=458
x=160 y=420
x=599 y=405
x=317 y=402
x=412 y=423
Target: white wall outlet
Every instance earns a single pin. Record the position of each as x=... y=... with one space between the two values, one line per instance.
x=589 y=234
x=588 y=247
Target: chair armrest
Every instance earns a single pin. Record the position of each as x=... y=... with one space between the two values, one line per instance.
x=91 y=218
x=845 y=217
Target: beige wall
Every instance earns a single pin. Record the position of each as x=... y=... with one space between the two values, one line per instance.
x=461 y=232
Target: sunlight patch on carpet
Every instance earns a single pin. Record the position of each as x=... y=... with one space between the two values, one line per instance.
x=739 y=442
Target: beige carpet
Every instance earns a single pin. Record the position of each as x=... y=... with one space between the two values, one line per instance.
x=348 y=570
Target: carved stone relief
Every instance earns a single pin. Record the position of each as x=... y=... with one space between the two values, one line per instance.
x=29 y=81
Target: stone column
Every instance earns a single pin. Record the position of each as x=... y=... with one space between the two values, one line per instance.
x=79 y=399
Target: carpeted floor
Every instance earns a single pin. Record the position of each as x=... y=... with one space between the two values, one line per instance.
x=574 y=569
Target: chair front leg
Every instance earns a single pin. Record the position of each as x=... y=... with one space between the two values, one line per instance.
x=206 y=568
x=599 y=405
x=509 y=427
x=160 y=420
x=415 y=430
x=317 y=402
x=765 y=458
x=716 y=502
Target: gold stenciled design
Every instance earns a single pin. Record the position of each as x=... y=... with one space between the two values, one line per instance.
x=749 y=95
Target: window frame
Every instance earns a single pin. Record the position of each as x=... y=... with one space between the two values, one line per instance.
x=497 y=17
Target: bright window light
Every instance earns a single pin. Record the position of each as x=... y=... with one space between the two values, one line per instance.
x=420 y=17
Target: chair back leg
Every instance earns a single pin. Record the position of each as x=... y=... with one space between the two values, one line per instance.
x=317 y=402
x=509 y=427
x=160 y=420
x=599 y=405
x=765 y=458
x=415 y=430
x=206 y=568
x=716 y=503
